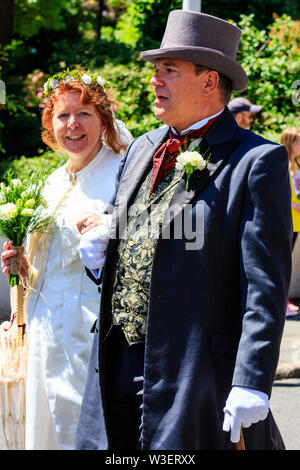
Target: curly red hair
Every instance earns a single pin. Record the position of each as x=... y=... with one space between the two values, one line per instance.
x=104 y=103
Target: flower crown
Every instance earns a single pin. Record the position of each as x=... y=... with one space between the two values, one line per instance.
x=66 y=76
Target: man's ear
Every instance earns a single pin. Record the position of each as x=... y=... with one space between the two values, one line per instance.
x=211 y=82
x=238 y=117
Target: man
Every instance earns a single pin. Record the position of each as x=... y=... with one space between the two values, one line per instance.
x=195 y=284
x=243 y=111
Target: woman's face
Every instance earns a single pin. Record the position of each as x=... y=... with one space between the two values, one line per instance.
x=295 y=147
x=77 y=128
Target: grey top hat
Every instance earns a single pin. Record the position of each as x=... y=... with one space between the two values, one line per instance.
x=205 y=40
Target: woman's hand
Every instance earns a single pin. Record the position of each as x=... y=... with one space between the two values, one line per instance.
x=89 y=222
x=6 y=255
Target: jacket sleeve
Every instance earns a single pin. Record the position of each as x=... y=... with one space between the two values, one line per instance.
x=265 y=268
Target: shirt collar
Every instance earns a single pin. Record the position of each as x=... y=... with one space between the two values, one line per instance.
x=198 y=124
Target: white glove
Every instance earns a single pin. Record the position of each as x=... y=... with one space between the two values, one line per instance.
x=244 y=407
x=92 y=247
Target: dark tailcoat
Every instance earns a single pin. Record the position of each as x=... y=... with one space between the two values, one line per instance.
x=216 y=313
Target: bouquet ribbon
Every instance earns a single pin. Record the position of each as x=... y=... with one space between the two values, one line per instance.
x=17 y=292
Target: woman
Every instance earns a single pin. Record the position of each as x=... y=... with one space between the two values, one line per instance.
x=291 y=139
x=63 y=303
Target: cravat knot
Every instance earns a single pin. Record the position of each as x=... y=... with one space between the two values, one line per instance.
x=164 y=159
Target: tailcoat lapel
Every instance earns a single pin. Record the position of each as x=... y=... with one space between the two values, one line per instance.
x=134 y=175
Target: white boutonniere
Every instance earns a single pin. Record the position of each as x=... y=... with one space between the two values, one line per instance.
x=190 y=161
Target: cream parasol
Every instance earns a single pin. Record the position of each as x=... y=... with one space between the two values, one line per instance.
x=13 y=362
x=22 y=211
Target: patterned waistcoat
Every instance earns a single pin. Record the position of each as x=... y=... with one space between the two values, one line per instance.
x=135 y=256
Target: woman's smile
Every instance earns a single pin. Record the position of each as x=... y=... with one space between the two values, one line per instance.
x=77 y=129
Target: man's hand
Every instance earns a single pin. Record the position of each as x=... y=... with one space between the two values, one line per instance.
x=92 y=247
x=244 y=407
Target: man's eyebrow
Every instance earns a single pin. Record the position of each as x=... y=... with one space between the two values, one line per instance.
x=168 y=62
x=165 y=64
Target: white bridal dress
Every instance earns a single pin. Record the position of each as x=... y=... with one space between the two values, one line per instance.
x=63 y=307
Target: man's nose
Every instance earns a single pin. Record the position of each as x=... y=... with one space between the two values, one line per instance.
x=156 y=80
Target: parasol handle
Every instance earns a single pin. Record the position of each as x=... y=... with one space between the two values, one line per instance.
x=17 y=293
x=17 y=308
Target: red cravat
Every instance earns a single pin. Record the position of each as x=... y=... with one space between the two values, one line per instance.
x=164 y=159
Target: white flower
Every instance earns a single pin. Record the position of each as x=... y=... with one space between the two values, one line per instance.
x=86 y=79
x=193 y=159
x=27 y=212
x=54 y=83
x=190 y=162
x=100 y=80
x=32 y=188
x=46 y=85
x=29 y=203
x=68 y=79
x=16 y=182
x=2 y=187
x=2 y=197
x=8 y=210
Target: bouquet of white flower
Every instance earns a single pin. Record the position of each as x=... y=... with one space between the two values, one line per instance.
x=22 y=211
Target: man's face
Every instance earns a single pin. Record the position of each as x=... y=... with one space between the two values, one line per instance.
x=244 y=119
x=177 y=91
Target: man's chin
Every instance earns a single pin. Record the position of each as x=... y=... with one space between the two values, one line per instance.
x=162 y=115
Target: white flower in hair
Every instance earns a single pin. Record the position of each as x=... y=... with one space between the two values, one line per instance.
x=100 y=80
x=54 y=83
x=86 y=79
x=68 y=79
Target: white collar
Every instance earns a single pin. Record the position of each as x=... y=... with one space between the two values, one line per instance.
x=198 y=124
x=91 y=165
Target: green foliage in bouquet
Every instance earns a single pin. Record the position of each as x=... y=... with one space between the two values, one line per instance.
x=22 y=210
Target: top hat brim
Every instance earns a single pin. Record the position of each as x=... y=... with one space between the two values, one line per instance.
x=210 y=58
